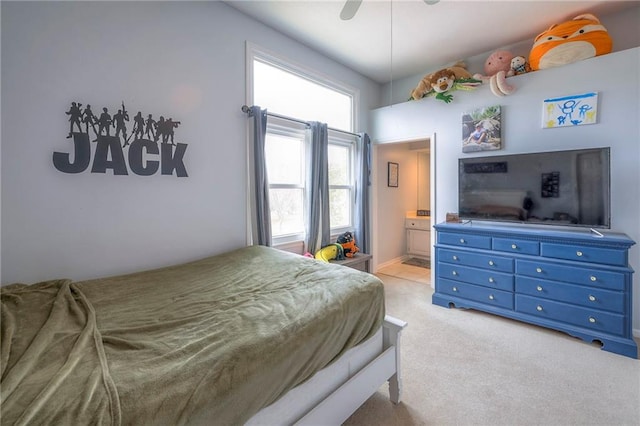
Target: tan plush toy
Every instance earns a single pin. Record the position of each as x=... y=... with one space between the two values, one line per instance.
x=442 y=81
x=519 y=65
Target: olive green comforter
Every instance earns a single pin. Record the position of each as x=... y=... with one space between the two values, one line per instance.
x=208 y=342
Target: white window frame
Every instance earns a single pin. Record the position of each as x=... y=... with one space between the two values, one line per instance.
x=286 y=128
x=255 y=52
x=340 y=139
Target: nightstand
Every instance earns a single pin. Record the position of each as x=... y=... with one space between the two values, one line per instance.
x=359 y=261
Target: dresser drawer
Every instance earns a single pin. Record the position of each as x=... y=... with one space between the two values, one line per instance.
x=468 y=258
x=489 y=296
x=574 y=294
x=424 y=224
x=592 y=319
x=511 y=245
x=493 y=279
x=571 y=274
x=464 y=240
x=585 y=254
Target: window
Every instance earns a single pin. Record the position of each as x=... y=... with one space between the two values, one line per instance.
x=285 y=92
x=340 y=185
x=289 y=91
x=285 y=152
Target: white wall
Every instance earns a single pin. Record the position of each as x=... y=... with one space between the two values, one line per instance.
x=623 y=27
x=184 y=59
x=613 y=76
x=389 y=234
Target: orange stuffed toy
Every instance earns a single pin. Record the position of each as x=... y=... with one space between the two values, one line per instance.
x=581 y=38
x=348 y=243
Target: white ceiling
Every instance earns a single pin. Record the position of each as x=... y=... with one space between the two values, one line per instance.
x=424 y=37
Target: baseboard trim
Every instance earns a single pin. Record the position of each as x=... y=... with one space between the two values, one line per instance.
x=391 y=262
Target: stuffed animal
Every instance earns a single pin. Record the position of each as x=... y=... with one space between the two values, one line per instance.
x=519 y=65
x=330 y=252
x=571 y=41
x=500 y=60
x=496 y=67
x=440 y=82
x=348 y=243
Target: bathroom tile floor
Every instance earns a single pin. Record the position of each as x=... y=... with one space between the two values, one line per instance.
x=407 y=272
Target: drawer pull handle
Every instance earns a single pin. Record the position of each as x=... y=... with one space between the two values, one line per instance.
x=454 y=273
x=539 y=288
x=513 y=246
x=455 y=257
x=539 y=308
x=593 y=278
x=491 y=297
x=491 y=263
x=592 y=298
x=539 y=270
x=491 y=280
x=462 y=241
x=455 y=289
x=579 y=253
x=592 y=320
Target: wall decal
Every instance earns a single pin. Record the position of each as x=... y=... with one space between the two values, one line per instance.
x=148 y=136
x=574 y=110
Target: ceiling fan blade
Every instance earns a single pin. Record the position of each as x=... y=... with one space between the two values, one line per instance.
x=349 y=10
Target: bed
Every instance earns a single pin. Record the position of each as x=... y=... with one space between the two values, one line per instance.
x=255 y=335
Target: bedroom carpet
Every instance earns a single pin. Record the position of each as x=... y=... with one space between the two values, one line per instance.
x=471 y=368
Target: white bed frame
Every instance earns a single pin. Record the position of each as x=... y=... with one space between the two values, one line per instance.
x=336 y=392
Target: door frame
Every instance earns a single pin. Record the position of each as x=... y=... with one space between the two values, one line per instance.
x=377 y=175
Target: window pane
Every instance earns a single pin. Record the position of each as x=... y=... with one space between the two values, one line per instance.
x=285 y=159
x=338 y=165
x=339 y=207
x=287 y=211
x=287 y=94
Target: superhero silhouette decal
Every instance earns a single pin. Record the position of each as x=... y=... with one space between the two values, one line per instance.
x=147 y=135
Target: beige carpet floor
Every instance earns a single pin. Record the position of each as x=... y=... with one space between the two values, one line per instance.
x=463 y=367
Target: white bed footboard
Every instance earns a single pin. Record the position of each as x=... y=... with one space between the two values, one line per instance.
x=334 y=393
x=391 y=332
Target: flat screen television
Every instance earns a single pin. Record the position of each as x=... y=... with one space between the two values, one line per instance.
x=565 y=188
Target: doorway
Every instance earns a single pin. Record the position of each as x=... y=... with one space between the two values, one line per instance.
x=390 y=204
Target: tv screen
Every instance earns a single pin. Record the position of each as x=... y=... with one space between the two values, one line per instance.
x=554 y=188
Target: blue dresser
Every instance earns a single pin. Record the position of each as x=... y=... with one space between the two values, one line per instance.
x=576 y=281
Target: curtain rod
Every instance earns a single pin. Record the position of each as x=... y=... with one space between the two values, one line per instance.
x=247 y=110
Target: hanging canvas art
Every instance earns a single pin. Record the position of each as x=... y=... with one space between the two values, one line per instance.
x=482 y=129
x=574 y=110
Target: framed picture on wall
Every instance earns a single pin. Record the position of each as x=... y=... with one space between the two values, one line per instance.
x=392 y=174
x=482 y=129
x=574 y=110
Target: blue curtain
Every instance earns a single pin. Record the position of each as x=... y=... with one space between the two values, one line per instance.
x=259 y=199
x=363 y=182
x=318 y=226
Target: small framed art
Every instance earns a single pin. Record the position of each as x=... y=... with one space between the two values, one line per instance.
x=392 y=174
